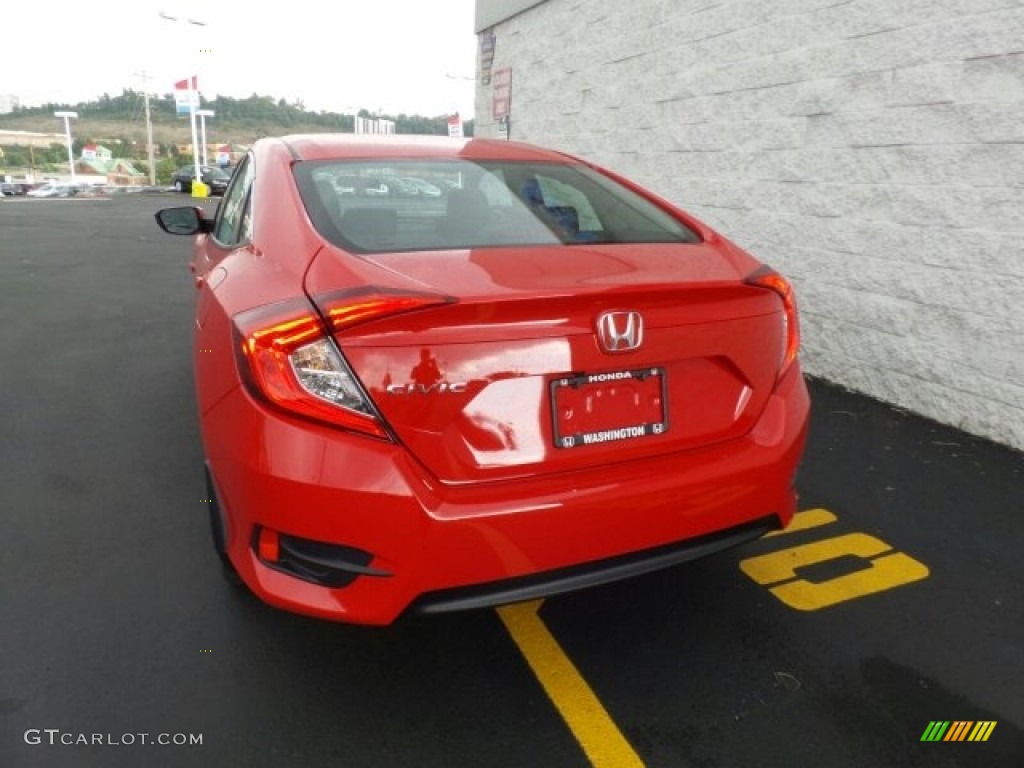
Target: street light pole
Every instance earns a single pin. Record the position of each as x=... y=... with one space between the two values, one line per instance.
x=149 y=129
x=203 y=114
x=193 y=98
x=67 y=131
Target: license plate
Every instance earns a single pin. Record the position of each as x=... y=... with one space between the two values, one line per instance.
x=598 y=408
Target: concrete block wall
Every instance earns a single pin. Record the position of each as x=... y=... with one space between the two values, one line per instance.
x=872 y=150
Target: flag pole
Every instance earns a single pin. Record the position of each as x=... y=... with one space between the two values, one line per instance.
x=192 y=98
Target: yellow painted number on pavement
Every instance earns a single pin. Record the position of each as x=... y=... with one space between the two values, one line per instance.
x=885 y=569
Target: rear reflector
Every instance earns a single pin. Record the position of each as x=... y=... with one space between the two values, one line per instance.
x=268 y=546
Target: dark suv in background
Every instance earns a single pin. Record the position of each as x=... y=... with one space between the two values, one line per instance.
x=13 y=188
x=213 y=177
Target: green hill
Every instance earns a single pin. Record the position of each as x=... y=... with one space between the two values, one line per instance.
x=237 y=120
x=119 y=122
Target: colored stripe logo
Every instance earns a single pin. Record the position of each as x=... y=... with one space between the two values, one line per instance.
x=958 y=730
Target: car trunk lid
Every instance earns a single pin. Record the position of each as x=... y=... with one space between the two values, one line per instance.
x=533 y=360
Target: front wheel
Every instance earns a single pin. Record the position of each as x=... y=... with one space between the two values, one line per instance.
x=179 y=186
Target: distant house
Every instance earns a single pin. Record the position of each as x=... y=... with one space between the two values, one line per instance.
x=213 y=151
x=114 y=171
x=123 y=173
x=95 y=152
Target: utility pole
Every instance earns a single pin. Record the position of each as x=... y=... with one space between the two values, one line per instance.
x=149 y=128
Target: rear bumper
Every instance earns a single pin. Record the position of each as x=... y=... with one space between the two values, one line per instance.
x=590 y=574
x=438 y=548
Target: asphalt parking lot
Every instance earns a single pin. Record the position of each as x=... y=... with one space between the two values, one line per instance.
x=895 y=602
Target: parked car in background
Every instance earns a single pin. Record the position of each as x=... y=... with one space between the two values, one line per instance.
x=53 y=189
x=554 y=380
x=47 y=189
x=382 y=186
x=399 y=187
x=446 y=185
x=347 y=185
x=389 y=186
x=14 y=188
x=425 y=187
x=213 y=177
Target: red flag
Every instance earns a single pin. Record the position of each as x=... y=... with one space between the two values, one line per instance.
x=186 y=96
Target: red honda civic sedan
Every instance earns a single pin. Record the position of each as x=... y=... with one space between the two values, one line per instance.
x=542 y=379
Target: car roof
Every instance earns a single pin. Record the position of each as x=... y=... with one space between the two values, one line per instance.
x=332 y=146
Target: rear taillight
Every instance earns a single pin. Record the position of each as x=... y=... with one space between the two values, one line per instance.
x=766 y=277
x=287 y=358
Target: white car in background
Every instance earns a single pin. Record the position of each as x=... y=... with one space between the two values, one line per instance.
x=425 y=187
x=51 y=189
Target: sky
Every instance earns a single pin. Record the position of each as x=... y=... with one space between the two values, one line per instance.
x=411 y=56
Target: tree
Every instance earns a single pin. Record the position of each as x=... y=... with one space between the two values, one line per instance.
x=14 y=157
x=165 y=169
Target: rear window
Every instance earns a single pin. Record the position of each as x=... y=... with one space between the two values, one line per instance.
x=385 y=206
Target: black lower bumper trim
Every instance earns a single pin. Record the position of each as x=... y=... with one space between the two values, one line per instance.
x=590 y=574
x=319 y=562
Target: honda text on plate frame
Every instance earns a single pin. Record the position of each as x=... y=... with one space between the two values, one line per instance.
x=538 y=378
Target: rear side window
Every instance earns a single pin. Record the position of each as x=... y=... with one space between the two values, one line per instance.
x=382 y=206
x=231 y=226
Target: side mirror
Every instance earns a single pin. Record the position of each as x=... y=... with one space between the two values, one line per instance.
x=184 y=220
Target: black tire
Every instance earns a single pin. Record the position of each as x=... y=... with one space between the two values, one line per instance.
x=179 y=186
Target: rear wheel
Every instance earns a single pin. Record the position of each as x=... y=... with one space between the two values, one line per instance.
x=178 y=185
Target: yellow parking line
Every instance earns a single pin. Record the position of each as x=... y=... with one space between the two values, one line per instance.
x=588 y=720
x=802 y=521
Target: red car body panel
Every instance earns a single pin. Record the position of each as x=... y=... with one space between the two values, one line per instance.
x=434 y=537
x=473 y=488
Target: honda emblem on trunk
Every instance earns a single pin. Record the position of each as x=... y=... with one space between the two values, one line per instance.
x=620 y=331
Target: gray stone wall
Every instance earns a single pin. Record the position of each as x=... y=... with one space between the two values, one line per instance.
x=872 y=150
